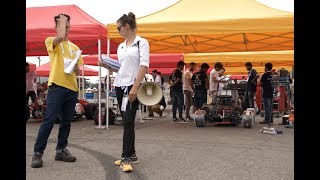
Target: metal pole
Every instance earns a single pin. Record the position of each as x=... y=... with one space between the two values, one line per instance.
x=108 y=86
x=39 y=65
x=99 y=88
x=83 y=82
x=78 y=85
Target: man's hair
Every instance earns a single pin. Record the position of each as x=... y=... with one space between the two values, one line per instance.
x=268 y=66
x=218 y=65
x=58 y=16
x=248 y=64
x=205 y=66
x=192 y=64
x=181 y=63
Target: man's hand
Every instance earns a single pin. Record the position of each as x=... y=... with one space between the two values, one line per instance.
x=133 y=94
x=62 y=19
x=77 y=69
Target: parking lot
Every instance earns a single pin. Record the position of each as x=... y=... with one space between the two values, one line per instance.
x=168 y=150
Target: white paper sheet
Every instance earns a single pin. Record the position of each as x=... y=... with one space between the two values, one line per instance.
x=70 y=64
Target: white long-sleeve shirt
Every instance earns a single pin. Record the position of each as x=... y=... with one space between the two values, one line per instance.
x=131 y=58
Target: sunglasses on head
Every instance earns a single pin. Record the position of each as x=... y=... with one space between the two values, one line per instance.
x=119 y=27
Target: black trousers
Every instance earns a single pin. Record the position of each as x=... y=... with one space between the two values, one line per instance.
x=128 y=117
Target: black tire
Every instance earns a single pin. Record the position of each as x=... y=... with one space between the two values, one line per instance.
x=96 y=118
x=89 y=110
x=237 y=112
x=77 y=116
x=200 y=121
x=38 y=113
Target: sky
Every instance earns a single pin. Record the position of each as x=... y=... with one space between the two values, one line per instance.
x=109 y=11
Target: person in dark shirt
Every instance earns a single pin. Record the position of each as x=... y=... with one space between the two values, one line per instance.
x=267 y=94
x=251 y=88
x=177 y=92
x=200 y=82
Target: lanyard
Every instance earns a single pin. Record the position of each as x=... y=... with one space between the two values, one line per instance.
x=69 y=46
x=125 y=92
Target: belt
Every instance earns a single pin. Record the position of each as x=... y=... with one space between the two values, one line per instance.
x=53 y=86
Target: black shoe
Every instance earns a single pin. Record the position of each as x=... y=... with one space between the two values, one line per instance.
x=133 y=159
x=36 y=160
x=150 y=115
x=182 y=120
x=175 y=119
x=263 y=122
x=65 y=156
x=160 y=114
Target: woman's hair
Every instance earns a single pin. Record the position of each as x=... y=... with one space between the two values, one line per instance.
x=130 y=19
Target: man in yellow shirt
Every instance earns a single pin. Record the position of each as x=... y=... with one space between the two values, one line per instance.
x=62 y=92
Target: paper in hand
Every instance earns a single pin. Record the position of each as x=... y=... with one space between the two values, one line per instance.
x=110 y=63
x=70 y=64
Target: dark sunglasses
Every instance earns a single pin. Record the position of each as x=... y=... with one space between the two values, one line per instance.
x=119 y=27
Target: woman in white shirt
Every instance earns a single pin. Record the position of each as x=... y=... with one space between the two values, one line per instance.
x=133 y=56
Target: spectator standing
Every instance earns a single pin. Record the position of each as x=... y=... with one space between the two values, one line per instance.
x=251 y=87
x=31 y=81
x=267 y=94
x=188 y=88
x=177 y=92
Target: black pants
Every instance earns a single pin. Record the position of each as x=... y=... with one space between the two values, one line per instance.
x=33 y=96
x=128 y=117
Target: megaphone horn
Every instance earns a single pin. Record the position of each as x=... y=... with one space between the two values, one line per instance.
x=149 y=93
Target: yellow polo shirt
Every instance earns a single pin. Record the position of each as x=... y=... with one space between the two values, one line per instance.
x=57 y=74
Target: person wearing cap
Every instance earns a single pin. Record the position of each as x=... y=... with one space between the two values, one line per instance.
x=177 y=92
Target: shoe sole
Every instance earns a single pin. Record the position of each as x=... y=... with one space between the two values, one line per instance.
x=124 y=170
x=183 y=122
x=36 y=166
x=131 y=162
x=61 y=159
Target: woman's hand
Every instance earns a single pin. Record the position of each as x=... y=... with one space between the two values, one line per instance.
x=133 y=94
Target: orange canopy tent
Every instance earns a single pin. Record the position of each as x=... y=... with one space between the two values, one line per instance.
x=85 y=31
x=44 y=70
x=207 y=26
x=156 y=60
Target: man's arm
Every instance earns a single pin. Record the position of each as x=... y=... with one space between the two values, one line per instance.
x=77 y=70
x=255 y=77
x=35 y=77
x=207 y=83
x=61 y=30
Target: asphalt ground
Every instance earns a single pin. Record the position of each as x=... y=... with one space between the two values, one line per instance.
x=168 y=150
